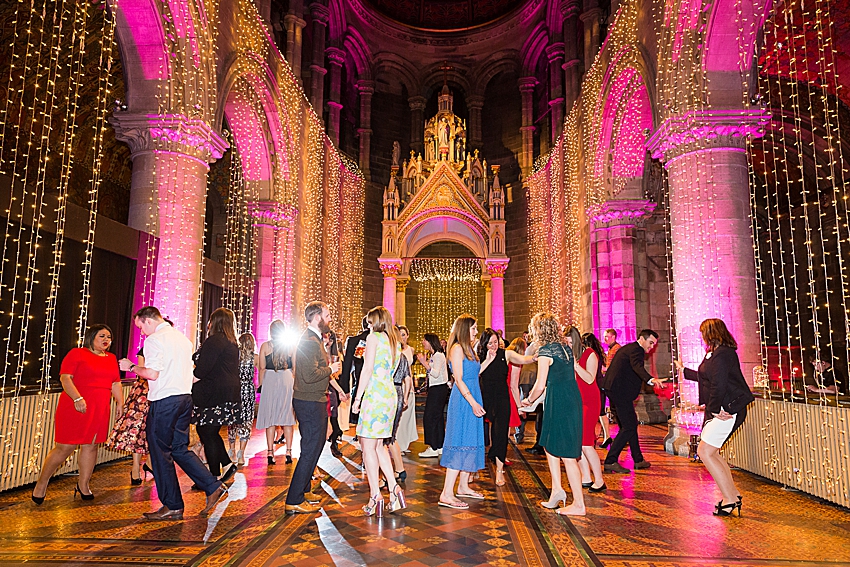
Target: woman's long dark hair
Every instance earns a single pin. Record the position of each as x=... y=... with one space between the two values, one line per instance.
x=483 y=341
x=434 y=341
x=91 y=333
x=590 y=341
x=715 y=334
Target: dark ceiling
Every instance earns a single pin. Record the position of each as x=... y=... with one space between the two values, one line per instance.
x=444 y=14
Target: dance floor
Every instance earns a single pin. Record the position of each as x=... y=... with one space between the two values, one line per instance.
x=660 y=517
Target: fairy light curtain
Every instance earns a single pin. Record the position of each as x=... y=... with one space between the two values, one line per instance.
x=448 y=287
x=800 y=201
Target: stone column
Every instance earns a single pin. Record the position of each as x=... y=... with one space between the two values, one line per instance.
x=366 y=90
x=475 y=104
x=614 y=263
x=526 y=88
x=569 y=11
x=496 y=267
x=336 y=58
x=274 y=243
x=171 y=157
x=555 y=53
x=400 y=308
x=712 y=242
x=294 y=25
x=320 y=16
x=390 y=268
x=417 y=123
x=592 y=36
x=488 y=300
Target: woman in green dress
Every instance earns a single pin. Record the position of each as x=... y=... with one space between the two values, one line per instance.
x=561 y=436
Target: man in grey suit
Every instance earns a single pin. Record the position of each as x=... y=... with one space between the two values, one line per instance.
x=309 y=400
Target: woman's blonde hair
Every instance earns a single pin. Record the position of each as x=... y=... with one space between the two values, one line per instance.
x=545 y=328
x=462 y=335
x=277 y=333
x=247 y=344
x=382 y=322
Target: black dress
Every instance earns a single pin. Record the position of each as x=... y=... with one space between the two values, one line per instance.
x=497 y=404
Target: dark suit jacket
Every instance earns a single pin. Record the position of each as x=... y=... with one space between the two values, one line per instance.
x=626 y=374
x=312 y=373
x=721 y=382
x=352 y=365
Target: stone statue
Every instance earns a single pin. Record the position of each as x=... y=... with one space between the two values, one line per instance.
x=396 y=152
x=444 y=133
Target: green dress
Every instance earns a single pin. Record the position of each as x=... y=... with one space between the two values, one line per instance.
x=561 y=434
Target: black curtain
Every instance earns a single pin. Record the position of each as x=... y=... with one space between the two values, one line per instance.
x=210 y=301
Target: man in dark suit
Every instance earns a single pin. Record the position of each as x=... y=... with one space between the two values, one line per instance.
x=310 y=402
x=352 y=364
x=622 y=383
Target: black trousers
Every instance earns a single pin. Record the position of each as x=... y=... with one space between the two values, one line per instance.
x=628 y=433
x=336 y=430
x=313 y=425
x=499 y=416
x=213 y=447
x=434 y=418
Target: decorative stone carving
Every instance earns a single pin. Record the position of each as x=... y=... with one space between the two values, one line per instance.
x=497 y=267
x=390 y=268
x=706 y=129
x=272 y=213
x=171 y=132
x=621 y=212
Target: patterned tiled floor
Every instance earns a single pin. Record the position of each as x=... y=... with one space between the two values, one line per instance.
x=660 y=517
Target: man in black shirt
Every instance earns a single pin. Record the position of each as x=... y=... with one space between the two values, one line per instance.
x=829 y=379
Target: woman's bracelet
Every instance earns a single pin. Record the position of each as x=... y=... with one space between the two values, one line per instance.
x=78 y=399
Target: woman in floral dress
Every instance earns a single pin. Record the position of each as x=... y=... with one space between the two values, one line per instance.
x=128 y=432
x=248 y=393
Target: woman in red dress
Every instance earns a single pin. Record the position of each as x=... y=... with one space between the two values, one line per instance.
x=89 y=377
x=588 y=371
x=518 y=345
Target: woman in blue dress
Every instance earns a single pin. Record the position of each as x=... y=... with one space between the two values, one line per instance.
x=560 y=437
x=463 y=448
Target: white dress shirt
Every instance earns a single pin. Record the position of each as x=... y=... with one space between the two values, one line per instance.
x=169 y=352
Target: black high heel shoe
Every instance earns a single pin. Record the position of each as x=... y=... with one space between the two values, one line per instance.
x=288 y=459
x=401 y=476
x=83 y=495
x=606 y=443
x=271 y=458
x=135 y=481
x=39 y=500
x=147 y=470
x=722 y=509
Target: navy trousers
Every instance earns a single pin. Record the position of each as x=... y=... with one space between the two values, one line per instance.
x=168 y=443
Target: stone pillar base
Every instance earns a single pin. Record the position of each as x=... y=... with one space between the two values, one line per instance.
x=652 y=409
x=678 y=440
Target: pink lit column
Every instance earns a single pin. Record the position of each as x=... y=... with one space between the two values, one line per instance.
x=615 y=267
x=274 y=250
x=712 y=245
x=320 y=16
x=390 y=269
x=171 y=157
x=497 y=269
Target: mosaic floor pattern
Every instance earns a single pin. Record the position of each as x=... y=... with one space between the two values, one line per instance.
x=660 y=517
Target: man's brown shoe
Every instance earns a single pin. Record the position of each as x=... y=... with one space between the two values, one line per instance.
x=164 y=514
x=303 y=508
x=642 y=465
x=312 y=498
x=213 y=499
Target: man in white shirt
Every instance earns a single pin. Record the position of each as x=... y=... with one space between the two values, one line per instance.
x=168 y=370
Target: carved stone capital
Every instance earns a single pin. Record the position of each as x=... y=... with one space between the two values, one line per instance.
x=497 y=267
x=417 y=103
x=320 y=14
x=272 y=213
x=527 y=84
x=570 y=8
x=589 y=16
x=475 y=102
x=706 y=129
x=170 y=132
x=319 y=70
x=291 y=20
x=365 y=87
x=618 y=212
x=336 y=56
x=390 y=267
x=555 y=52
x=401 y=284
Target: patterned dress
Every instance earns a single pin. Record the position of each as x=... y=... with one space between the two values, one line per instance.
x=248 y=396
x=128 y=433
x=379 y=403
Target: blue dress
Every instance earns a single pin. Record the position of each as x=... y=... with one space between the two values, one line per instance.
x=463 y=448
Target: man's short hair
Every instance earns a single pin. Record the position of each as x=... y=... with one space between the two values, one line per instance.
x=147 y=312
x=646 y=333
x=313 y=308
x=611 y=332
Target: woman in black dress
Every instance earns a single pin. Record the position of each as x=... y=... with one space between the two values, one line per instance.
x=216 y=391
x=496 y=395
x=726 y=395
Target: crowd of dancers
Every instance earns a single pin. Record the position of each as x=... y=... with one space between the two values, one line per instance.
x=477 y=392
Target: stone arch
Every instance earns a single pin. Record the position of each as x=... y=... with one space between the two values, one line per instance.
x=336 y=22
x=359 y=53
x=398 y=68
x=443 y=227
x=533 y=48
x=499 y=62
x=458 y=74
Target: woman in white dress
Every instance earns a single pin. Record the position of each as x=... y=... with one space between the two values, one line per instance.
x=276 y=381
x=407 y=432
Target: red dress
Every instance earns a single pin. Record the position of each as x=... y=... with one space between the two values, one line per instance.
x=93 y=376
x=515 y=420
x=590 y=401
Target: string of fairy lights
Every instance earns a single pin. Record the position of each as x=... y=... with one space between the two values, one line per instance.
x=448 y=287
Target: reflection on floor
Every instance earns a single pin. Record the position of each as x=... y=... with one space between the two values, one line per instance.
x=660 y=517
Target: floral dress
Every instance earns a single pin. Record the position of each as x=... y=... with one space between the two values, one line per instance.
x=128 y=433
x=248 y=396
x=380 y=400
